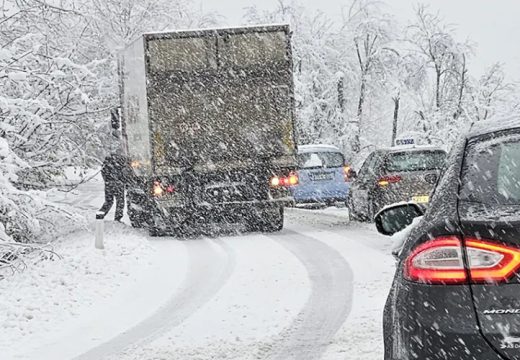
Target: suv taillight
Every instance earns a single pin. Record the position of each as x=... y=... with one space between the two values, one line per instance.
x=387 y=180
x=284 y=181
x=440 y=261
x=346 y=173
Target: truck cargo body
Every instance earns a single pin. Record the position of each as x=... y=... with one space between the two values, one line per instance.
x=208 y=121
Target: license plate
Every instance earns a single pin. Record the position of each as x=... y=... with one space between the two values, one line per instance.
x=421 y=199
x=322 y=176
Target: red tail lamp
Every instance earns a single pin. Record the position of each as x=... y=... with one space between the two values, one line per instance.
x=440 y=261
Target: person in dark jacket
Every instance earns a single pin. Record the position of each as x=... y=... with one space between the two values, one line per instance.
x=115 y=172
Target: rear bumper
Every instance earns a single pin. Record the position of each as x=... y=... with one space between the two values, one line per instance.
x=433 y=323
x=229 y=212
x=313 y=195
x=384 y=198
x=320 y=199
x=256 y=204
x=200 y=205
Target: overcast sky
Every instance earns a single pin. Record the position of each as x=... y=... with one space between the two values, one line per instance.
x=494 y=25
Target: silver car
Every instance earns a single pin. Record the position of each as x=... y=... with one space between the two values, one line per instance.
x=393 y=175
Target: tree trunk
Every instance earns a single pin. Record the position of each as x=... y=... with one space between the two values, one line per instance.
x=356 y=143
x=397 y=100
x=437 y=88
x=458 y=112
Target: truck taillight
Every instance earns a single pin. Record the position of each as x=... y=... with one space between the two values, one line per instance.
x=159 y=189
x=387 y=180
x=284 y=181
x=440 y=261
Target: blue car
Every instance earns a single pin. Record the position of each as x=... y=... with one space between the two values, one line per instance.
x=323 y=175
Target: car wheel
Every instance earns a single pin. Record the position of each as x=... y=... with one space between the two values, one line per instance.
x=371 y=213
x=352 y=216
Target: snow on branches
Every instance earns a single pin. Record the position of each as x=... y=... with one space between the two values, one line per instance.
x=59 y=80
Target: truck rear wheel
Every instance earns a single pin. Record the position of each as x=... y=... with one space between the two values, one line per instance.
x=138 y=219
x=154 y=226
x=268 y=220
x=138 y=211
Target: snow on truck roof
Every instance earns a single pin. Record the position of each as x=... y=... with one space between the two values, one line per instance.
x=302 y=149
x=493 y=125
x=260 y=27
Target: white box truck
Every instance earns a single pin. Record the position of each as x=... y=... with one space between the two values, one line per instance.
x=208 y=125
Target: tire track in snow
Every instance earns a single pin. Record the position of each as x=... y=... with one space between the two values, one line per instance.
x=210 y=266
x=328 y=305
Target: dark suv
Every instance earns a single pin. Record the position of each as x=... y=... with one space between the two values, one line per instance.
x=392 y=175
x=456 y=291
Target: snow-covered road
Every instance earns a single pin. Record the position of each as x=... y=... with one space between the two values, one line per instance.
x=313 y=291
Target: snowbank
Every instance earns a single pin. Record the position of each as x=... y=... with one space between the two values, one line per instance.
x=43 y=303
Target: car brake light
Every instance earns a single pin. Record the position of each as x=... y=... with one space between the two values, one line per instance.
x=387 y=180
x=285 y=181
x=491 y=262
x=440 y=261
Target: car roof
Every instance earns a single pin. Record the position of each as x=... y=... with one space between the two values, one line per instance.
x=493 y=125
x=411 y=148
x=310 y=148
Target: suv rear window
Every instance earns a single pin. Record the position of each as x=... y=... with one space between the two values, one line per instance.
x=491 y=172
x=314 y=160
x=415 y=161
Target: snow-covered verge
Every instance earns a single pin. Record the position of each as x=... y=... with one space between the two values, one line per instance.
x=29 y=219
x=53 y=310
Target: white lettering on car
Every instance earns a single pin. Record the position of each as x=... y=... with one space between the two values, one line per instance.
x=501 y=311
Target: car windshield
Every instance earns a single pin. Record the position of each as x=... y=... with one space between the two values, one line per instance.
x=415 y=161
x=312 y=160
x=491 y=172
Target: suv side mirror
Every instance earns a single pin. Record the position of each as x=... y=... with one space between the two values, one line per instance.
x=397 y=217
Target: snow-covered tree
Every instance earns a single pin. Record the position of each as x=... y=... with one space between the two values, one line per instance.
x=371 y=33
x=58 y=74
x=491 y=94
x=441 y=104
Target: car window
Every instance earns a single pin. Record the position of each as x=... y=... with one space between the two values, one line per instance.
x=415 y=161
x=370 y=168
x=320 y=159
x=491 y=172
x=449 y=162
x=363 y=172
